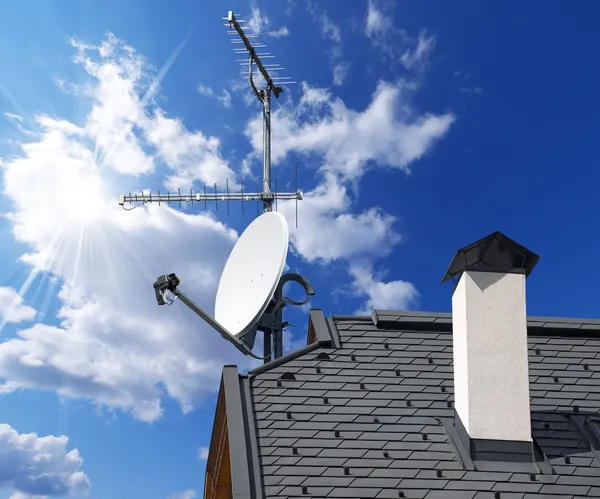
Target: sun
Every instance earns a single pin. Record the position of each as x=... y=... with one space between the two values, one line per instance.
x=84 y=197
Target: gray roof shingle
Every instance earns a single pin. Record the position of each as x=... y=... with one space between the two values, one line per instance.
x=369 y=421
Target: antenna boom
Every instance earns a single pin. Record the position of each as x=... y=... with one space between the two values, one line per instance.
x=143 y=198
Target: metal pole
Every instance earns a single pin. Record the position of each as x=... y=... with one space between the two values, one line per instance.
x=267 y=340
x=278 y=332
x=267 y=146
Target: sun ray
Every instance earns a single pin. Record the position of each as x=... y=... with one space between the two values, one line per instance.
x=101 y=151
x=34 y=272
x=57 y=243
x=21 y=292
x=48 y=296
x=52 y=258
x=79 y=251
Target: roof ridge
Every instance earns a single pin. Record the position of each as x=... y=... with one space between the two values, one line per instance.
x=427 y=320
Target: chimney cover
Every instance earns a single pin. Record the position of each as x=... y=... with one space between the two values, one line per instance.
x=493 y=253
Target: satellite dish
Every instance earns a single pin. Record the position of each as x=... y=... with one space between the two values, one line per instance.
x=252 y=273
x=250 y=294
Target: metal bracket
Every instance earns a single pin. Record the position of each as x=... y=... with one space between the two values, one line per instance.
x=270 y=323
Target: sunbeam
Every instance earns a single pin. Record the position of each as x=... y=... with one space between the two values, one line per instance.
x=106 y=340
x=55 y=250
x=20 y=293
x=51 y=254
x=101 y=151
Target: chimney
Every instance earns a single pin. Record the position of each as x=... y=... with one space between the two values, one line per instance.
x=491 y=371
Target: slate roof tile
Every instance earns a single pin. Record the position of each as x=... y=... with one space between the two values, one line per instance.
x=353 y=472
x=517 y=487
x=565 y=489
x=343 y=452
x=446 y=494
x=354 y=493
x=368 y=440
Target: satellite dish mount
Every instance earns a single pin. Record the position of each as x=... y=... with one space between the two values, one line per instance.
x=270 y=323
x=250 y=294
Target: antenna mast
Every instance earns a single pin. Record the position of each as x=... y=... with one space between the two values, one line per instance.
x=267 y=77
x=273 y=85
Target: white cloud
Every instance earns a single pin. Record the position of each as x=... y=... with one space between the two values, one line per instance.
x=6 y=93
x=191 y=155
x=314 y=96
x=394 y=43
x=392 y=295
x=18 y=121
x=242 y=89
x=12 y=308
x=330 y=232
x=123 y=100
x=186 y=494
x=204 y=90
x=66 y=86
x=20 y=495
x=419 y=57
x=257 y=21
x=389 y=132
x=340 y=71
x=35 y=467
x=329 y=29
x=332 y=33
x=467 y=75
x=14 y=117
x=117 y=109
x=378 y=22
x=113 y=345
x=224 y=98
x=203 y=453
x=279 y=33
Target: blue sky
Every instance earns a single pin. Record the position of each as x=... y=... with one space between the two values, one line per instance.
x=417 y=128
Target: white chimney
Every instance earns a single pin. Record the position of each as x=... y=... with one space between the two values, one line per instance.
x=489 y=324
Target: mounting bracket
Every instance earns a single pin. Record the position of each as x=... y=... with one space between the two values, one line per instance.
x=270 y=323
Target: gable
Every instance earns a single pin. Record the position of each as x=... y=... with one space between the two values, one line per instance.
x=217 y=481
x=232 y=468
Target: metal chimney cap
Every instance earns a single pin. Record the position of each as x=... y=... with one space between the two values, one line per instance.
x=493 y=253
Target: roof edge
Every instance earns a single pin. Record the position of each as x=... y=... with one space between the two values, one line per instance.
x=321 y=329
x=442 y=321
x=286 y=358
x=334 y=334
x=240 y=448
x=251 y=437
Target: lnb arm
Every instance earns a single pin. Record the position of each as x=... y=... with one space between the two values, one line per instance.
x=169 y=283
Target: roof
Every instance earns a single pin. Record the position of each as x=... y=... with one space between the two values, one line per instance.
x=366 y=411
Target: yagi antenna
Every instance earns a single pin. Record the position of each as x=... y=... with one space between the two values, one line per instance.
x=272 y=82
x=250 y=295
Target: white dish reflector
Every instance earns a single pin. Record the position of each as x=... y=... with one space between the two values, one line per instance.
x=252 y=273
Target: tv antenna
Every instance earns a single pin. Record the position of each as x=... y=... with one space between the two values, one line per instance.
x=269 y=79
x=250 y=293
